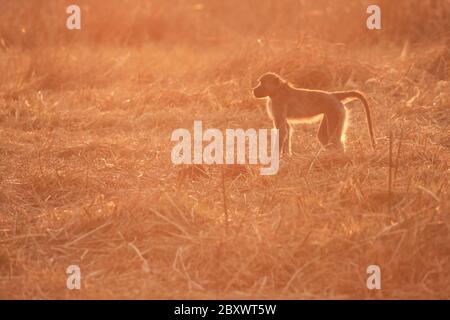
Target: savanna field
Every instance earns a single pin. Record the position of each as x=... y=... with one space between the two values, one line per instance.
x=86 y=176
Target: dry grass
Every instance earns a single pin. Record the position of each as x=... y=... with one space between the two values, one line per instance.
x=86 y=176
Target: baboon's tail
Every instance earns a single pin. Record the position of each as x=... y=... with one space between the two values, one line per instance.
x=342 y=95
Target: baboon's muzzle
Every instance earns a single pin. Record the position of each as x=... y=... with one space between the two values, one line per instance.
x=257 y=92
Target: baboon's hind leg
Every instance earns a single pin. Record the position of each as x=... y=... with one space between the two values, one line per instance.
x=336 y=128
x=289 y=142
x=322 y=134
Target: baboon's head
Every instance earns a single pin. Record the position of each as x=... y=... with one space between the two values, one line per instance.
x=267 y=86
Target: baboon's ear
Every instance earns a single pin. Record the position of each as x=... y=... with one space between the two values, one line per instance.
x=278 y=80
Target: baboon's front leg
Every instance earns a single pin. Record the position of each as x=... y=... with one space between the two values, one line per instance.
x=284 y=138
x=282 y=126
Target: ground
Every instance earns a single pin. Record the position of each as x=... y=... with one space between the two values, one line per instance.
x=86 y=177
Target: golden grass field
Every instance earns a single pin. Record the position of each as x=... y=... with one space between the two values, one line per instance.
x=86 y=176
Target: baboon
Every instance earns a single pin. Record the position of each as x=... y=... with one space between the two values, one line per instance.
x=287 y=105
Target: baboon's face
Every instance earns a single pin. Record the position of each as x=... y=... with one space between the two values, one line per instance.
x=268 y=85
